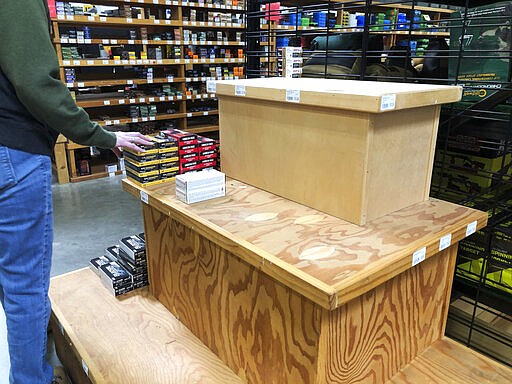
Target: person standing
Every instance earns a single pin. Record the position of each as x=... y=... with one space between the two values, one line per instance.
x=35 y=106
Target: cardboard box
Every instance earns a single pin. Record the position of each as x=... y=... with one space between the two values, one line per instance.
x=134 y=247
x=141 y=157
x=182 y=137
x=142 y=167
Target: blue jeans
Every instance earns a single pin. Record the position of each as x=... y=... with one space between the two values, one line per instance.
x=26 y=235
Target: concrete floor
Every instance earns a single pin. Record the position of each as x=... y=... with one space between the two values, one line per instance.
x=89 y=217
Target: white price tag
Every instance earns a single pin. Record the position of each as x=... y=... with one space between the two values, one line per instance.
x=212 y=95
x=108 y=122
x=189 y=115
x=239 y=90
x=103 y=19
x=144 y=42
x=152 y=118
x=170 y=79
x=106 y=102
x=177 y=61
x=150 y=81
x=144 y=119
x=151 y=99
x=70 y=85
x=195 y=60
x=125 y=61
x=76 y=62
x=187 y=79
x=187 y=61
x=185 y=22
x=189 y=97
x=116 y=122
x=60 y=17
x=156 y=21
x=217 y=24
x=113 y=41
x=210 y=5
x=132 y=101
x=209 y=42
x=168 y=22
x=205 y=113
x=419 y=256
x=131 y=42
x=70 y=17
x=445 y=241
x=121 y=101
x=211 y=86
x=142 y=100
x=132 y=61
x=175 y=3
x=179 y=97
x=168 y=2
x=471 y=228
x=90 y=18
x=66 y=62
x=387 y=102
x=129 y=20
x=144 y=197
x=117 y=62
x=139 y=61
x=130 y=82
x=210 y=24
x=293 y=95
x=81 y=85
x=80 y=41
x=105 y=62
x=88 y=41
x=232 y=60
x=135 y=120
x=201 y=23
x=156 y=1
x=64 y=40
x=162 y=98
x=212 y=60
x=195 y=79
x=159 y=61
x=223 y=24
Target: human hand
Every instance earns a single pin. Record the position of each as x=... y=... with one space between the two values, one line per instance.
x=130 y=140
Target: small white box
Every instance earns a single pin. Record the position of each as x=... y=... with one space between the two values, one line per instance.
x=193 y=187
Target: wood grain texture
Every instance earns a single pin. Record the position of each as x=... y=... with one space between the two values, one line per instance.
x=133 y=339
x=61 y=162
x=447 y=361
x=261 y=329
x=322 y=257
x=343 y=94
x=369 y=339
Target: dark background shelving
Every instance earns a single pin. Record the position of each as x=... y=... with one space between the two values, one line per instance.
x=473 y=163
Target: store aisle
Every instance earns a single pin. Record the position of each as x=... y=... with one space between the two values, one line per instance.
x=89 y=217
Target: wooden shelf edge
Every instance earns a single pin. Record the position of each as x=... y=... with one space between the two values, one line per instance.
x=93 y=176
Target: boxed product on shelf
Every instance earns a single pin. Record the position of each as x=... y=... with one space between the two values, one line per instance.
x=140 y=158
x=112 y=253
x=142 y=167
x=169 y=163
x=146 y=181
x=115 y=278
x=182 y=137
x=97 y=262
x=133 y=246
x=198 y=186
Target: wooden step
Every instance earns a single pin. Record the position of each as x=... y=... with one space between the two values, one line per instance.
x=447 y=361
x=131 y=339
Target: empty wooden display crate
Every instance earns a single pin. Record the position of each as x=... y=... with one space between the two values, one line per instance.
x=356 y=150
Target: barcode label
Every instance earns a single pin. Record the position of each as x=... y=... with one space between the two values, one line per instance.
x=419 y=256
x=293 y=95
x=240 y=90
x=471 y=228
x=445 y=241
x=388 y=102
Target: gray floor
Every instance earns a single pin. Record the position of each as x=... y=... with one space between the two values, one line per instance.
x=89 y=217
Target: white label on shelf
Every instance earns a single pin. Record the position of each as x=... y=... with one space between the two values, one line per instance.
x=144 y=119
x=60 y=17
x=106 y=102
x=193 y=23
x=240 y=90
x=187 y=79
x=387 y=102
x=142 y=100
x=237 y=77
x=445 y=241
x=70 y=85
x=168 y=22
x=170 y=79
x=72 y=41
x=156 y=1
x=185 y=22
x=132 y=101
x=121 y=101
x=217 y=5
x=76 y=62
x=104 y=41
x=217 y=24
x=162 y=98
x=175 y=3
x=209 y=42
x=189 y=97
x=177 y=61
x=125 y=61
x=293 y=95
x=116 y=122
x=80 y=41
x=179 y=97
x=117 y=62
x=186 y=42
x=187 y=61
x=169 y=42
x=151 y=99
x=70 y=17
x=159 y=61
x=152 y=118
x=85 y=368
x=139 y=61
x=210 y=5
x=146 y=61
x=223 y=24
x=205 y=113
x=131 y=42
x=199 y=96
x=64 y=40
x=201 y=23
x=134 y=120
x=88 y=41
x=113 y=41
x=419 y=256
x=212 y=60
x=168 y=2
x=108 y=122
x=471 y=228
x=232 y=60
x=130 y=82
x=195 y=79
x=203 y=60
x=105 y=62
x=189 y=115
x=219 y=42
x=129 y=20
x=222 y=6
x=210 y=24
x=144 y=42
x=144 y=197
x=212 y=95
x=156 y=21
x=211 y=86
x=81 y=85
x=90 y=18
x=103 y=19
x=132 y=61
x=141 y=1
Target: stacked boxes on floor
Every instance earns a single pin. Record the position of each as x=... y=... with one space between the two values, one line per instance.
x=123 y=267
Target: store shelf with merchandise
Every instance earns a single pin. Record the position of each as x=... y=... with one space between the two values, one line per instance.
x=144 y=65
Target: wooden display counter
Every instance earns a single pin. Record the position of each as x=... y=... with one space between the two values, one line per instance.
x=357 y=150
x=283 y=293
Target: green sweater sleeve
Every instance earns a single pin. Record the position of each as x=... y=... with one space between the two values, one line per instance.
x=28 y=60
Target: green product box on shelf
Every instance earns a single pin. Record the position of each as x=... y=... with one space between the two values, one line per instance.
x=486 y=45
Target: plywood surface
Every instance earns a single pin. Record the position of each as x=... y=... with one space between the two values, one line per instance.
x=133 y=339
x=447 y=361
x=356 y=95
x=325 y=258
